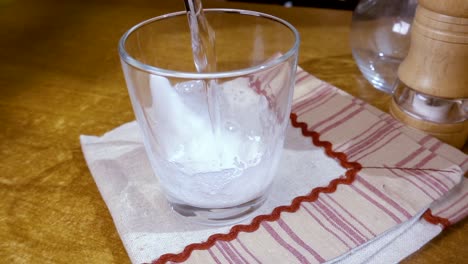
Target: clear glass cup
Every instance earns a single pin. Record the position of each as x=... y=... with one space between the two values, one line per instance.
x=213 y=139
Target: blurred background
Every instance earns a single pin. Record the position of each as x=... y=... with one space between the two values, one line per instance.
x=335 y=4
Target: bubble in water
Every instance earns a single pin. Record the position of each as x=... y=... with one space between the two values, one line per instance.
x=238 y=163
x=240 y=167
x=252 y=136
x=256 y=160
x=231 y=126
x=193 y=98
x=190 y=87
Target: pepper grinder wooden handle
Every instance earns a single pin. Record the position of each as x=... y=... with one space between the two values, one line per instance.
x=437 y=64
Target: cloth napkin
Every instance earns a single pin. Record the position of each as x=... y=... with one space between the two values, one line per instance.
x=353 y=186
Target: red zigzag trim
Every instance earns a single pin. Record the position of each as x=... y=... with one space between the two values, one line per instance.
x=436 y=220
x=352 y=169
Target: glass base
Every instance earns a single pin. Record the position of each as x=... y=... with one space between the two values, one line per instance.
x=380 y=83
x=380 y=70
x=218 y=216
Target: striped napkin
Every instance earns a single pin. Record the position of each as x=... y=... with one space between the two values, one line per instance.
x=354 y=186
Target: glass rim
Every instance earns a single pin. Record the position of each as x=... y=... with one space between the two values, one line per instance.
x=125 y=56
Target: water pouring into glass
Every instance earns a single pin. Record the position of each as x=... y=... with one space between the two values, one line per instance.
x=212 y=101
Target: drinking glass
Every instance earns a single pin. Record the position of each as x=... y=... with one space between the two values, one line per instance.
x=213 y=139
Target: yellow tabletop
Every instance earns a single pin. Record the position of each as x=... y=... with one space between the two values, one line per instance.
x=60 y=77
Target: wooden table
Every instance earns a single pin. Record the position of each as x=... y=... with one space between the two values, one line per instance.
x=60 y=77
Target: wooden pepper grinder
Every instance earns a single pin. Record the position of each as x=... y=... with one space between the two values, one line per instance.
x=432 y=92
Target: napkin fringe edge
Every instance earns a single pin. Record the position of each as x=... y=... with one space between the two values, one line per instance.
x=352 y=168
